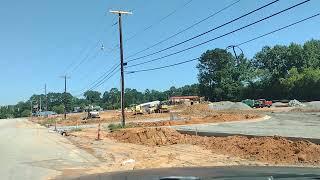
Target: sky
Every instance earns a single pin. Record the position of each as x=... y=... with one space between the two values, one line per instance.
x=41 y=40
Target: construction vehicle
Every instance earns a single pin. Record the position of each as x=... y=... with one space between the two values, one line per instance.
x=136 y=109
x=260 y=103
x=92 y=112
x=150 y=107
x=162 y=107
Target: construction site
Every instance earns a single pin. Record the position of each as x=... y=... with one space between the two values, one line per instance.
x=202 y=134
x=158 y=90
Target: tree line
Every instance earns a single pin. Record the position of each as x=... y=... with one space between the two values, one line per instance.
x=278 y=72
x=108 y=100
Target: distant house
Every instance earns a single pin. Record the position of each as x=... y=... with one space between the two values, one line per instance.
x=189 y=100
x=46 y=113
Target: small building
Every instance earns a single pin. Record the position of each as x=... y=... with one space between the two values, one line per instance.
x=188 y=100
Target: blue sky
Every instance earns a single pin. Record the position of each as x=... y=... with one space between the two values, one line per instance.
x=44 y=39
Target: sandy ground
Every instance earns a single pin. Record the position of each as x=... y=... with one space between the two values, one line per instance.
x=117 y=156
x=196 y=114
x=141 y=148
x=105 y=117
x=215 y=118
x=145 y=148
x=273 y=150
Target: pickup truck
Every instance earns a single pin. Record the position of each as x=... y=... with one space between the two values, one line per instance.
x=260 y=103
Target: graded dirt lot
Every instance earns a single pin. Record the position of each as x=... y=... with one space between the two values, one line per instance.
x=118 y=156
x=196 y=114
x=272 y=150
x=159 y=147
x=153 y=142
x=105 y=117
x=217 y=117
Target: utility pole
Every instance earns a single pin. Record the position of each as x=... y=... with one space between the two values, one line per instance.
x=40 y=103
x=121 y=63
x=31 y=108
x=65 y=77
x=46 y=98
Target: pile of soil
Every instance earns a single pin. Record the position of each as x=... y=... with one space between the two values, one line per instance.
x=227 y=105
x=314 y=105
x=196 y=109
x=217 y=117
x=273 y=150
x=295 y=103
x=147 y=136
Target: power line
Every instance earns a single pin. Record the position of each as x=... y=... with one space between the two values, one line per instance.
x=152 y=25
x=85 y=48
x=160 y=20
x=199 y=35
x=162 y=67
x=86 y=58
x=101 y=78
x=205 y=42
x=245 y=42
x=102 y=81
x=186 y=29
x=145 y=29
x=279 y=29
x=183 y=62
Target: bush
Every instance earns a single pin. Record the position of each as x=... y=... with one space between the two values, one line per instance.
x=58 y=109
x=114 y=127
x=26 y=113
x=50 y=121
x=76 y=130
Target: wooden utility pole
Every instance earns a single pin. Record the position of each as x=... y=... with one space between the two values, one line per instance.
x=46 y=98
x=123 y=122
x=31 y=108
x=65 y=77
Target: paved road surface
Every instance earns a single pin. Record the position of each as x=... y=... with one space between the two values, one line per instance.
x=214 y=173
x=29 y=151
x=304 y=125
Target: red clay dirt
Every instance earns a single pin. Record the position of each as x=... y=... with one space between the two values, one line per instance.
x=272 y=150
x=217 y=117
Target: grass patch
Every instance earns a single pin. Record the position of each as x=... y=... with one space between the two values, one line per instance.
x=48 y=121
x=114 y=127
x=76 y=130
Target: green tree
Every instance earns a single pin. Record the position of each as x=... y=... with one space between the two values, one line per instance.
x=311 y=53
x=58 y=109
x=25 y=113
x=218 y=75
x=93 y=97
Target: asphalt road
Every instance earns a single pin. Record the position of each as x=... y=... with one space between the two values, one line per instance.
x=29 y=151
x=304 y=125
x=221 y=173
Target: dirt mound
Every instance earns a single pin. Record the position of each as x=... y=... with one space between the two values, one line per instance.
x=227 y=105
x=240 y=106
x=273 y=150
x=147 y=136
x=313 y=105
x=295 y=103
x=196 y=110
x=217 y=117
